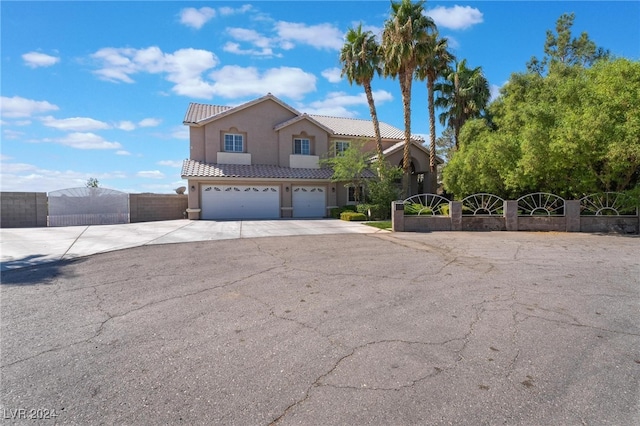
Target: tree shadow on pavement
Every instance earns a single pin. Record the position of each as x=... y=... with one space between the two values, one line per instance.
x=33 y=270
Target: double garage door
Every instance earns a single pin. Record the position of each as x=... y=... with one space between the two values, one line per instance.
x=259 y=201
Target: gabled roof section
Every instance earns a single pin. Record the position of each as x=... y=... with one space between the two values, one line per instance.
x=400 y=145
x=201 y=114
x=355 y=127
x=304 y=117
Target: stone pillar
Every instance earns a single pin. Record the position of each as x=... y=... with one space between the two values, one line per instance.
x=455 y=211
x=572 y=215
x=397 y=216
x=511 y=215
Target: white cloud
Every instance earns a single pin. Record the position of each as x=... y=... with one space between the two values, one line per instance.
x=170 y=163
x=180 y=132
x=456 y=17
x=337 y=103
x=150 y=174
x=123 y=152
x=77 y=124
x=126 y=125
x=17 y=107
x=332 y=75
x=37 y=59
x=233 y=81
x=183 y=67
x=149 y=122
x=28 y=177
x=321 y=36
x=196 y=18
x=227 y=11
x=9 y=134
x=264 y=44
x=85 y=141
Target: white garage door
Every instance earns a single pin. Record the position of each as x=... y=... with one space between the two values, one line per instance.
x=240 y=202
x=309 y=201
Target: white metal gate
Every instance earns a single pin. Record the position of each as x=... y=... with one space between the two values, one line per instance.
x=88 y=206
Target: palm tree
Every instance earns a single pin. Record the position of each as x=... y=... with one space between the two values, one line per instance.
x=433 y=66
x=464 y=95
x=360 y=58
x=404 y=41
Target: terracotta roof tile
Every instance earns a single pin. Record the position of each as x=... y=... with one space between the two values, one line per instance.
x=192 y=168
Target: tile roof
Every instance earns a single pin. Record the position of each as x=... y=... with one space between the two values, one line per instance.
x=340 y=126
x=199 y=112
x=355 y=127
x=192 y=168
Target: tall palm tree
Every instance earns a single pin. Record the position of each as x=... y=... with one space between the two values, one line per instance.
x=464 y=94
x=361 y=60
x=404 y=40
x=433 y=66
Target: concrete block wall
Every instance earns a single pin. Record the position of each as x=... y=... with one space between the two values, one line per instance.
x=154 y=207
x=23 y=209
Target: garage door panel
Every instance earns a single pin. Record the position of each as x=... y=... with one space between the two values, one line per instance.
x=240 y=202
x=309 y=201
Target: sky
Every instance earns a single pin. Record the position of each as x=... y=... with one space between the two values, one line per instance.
x=100 y=89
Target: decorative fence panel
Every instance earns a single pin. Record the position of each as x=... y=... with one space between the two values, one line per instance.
x=606 y=212
x=88 y=206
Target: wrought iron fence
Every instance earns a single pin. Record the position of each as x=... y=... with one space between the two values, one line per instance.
x=88 y=206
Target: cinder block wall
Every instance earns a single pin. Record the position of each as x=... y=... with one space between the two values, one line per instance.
x=23 y=209
x=153 y=207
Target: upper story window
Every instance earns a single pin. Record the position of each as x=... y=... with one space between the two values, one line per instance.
x=302 y=146
x=341 y=146
x=233 y=143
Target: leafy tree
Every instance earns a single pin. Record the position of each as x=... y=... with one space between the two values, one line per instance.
x=445 y=144
x=433 y=65
x=573 y=132
x=384 y=190
x=92 y=183
x=404 y=43
x=561 y=49
x=350 y=166
x=464 y=94
x=361 y=60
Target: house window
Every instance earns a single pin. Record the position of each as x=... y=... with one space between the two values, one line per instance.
x=233 y=143
x=302 y=146
x=351 y=198
x=341 y=147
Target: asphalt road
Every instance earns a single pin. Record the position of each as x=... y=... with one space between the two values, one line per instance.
x=393 y=329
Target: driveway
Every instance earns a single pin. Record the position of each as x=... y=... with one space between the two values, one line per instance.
x=383 y=328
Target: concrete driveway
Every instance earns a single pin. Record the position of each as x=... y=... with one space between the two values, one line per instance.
x=23 y=247
x=441 y=328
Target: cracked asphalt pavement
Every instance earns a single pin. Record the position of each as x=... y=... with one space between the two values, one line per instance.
x=388 y=328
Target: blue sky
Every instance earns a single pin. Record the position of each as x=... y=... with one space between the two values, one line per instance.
x=100 y=89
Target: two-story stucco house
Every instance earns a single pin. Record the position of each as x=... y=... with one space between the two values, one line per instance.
x=261 y=160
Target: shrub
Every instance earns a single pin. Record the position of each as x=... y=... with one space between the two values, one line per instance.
x=352 y=216
x=337 y=211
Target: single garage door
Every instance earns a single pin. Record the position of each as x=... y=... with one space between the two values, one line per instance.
x=240 y=202
x=309 y=201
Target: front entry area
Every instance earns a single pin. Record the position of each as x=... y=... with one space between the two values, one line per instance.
x=309 y=201
x=240 y=202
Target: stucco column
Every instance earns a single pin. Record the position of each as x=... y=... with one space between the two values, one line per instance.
x=455 y=212
x=397 y=216
x=511 y=215
x=572 y=215
x=193 y=203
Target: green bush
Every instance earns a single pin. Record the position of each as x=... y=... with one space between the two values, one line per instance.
x=337 y=211
x=352 y=216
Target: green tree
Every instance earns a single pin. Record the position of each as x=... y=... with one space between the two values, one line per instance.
x=92 y=183
x=561 y=49
x=384 y=190
x=350 y=166
x=464 y=94
x=433 y=65
x=361 y=61
x=404 y=43
x=573 y=132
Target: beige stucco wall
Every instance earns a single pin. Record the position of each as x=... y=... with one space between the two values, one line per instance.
x=301 y=129
x=153 y=207
x=256 y=123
